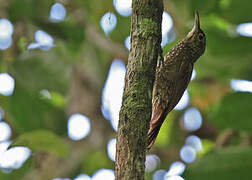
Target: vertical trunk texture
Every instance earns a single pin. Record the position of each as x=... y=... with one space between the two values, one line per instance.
x=135 y=113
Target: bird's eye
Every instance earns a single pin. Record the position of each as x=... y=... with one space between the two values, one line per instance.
x=201 y=36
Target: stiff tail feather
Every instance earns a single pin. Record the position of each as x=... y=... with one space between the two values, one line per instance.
x=155 y=125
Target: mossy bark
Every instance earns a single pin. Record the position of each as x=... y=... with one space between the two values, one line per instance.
x=135 y=113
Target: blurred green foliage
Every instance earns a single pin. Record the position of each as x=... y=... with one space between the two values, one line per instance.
x=229 y=163
x=94 y=160
x=234 y=111
x=41 y=123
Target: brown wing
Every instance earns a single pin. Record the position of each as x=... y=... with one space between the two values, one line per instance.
x=172 y=79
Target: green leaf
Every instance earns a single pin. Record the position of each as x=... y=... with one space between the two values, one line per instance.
x=56 y=99
x=43 y=141
x=207 y=147
x=231 y=163
x=234 y=111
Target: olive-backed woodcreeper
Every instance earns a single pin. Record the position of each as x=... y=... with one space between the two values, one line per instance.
x=173 y=75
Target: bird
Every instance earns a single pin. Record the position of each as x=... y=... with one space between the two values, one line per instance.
x=173 y=75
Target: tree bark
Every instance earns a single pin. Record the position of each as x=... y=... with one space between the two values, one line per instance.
x=135 y=113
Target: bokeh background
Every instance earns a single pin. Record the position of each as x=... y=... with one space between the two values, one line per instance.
x=62 y=66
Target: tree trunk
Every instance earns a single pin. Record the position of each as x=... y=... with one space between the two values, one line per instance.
x=135 y=113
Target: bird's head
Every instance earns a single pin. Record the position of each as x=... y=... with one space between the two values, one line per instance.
x=196 y=39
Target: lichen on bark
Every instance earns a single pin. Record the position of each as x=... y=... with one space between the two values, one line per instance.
x=148 y=27
x=135 y=113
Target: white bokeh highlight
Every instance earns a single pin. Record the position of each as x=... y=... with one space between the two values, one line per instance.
x=82 y=177
x=152 y=162
x=184 y=101
x=57 y=12
x=3 y=147
x=176 y=168
x=241 y=85
x=103 y=174
x=43 y=41
x=6 y=28
x=5 y=43
x=7 y=84
x=194 y=142
x=14 y=157
x=43 y=38
x=167 y=23
x=127 y=42
x=187 y=154
x=123 y=7
x=173 y=178
x=169 y=37
x=168 y=33
x=113 y=91
x=111 y=149
x=194 y=73
x=165 y=40
x=192 y=119
x=108 y=22
x=245 y=29
x=78 y=126
x=5 y=131
x=6 y=31
x=159 y=174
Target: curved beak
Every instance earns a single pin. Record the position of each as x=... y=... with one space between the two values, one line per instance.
x=197 y=20
x=196 y=27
